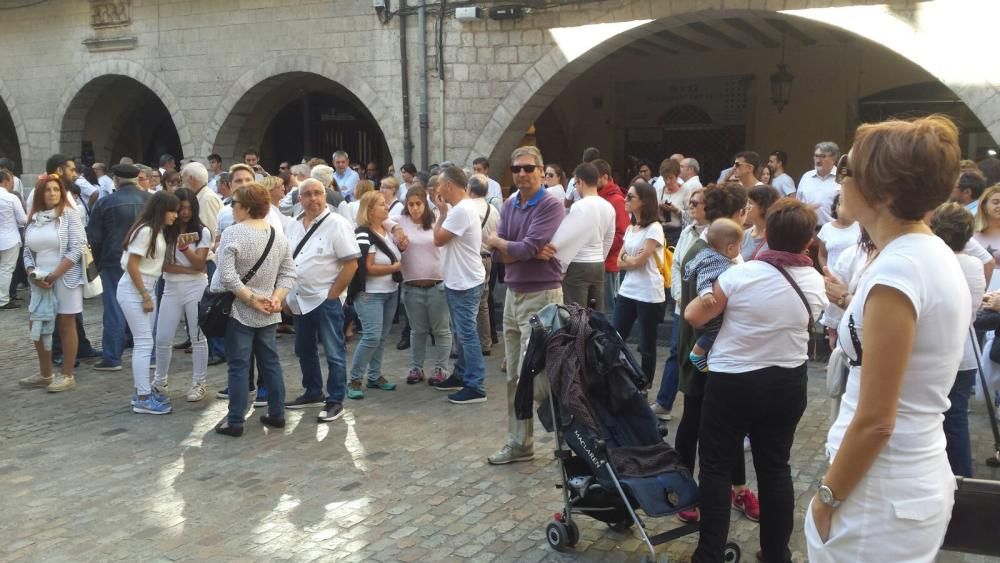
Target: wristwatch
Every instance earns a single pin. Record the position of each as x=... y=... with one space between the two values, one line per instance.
x=842 y=300
x=826 y=496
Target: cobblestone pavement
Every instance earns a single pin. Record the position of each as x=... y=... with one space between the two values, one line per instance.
x=401 y=477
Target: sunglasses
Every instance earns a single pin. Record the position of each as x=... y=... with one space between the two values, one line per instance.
x=630 y=197
x=528 y=168
x=843 y=170
x=550 y=175
x=738 y=164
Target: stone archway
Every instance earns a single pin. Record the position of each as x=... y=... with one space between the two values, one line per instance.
x=920 y=33
x=13 y=136
x=243 y=118
x=156 y=105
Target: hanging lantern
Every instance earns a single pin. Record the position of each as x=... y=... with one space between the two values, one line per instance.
x=781 y=87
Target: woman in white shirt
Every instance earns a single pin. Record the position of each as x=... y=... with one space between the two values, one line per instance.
x=142 y=262
x=53 y=251
x=376 y=301
x=889 y=491
x=756 y=385
x=641 y=294
x=555 y=179
x=837 y=235
x=184 y=283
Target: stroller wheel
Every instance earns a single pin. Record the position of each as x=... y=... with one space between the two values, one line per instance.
x=620 y=527
x=557 y=534
x=732 y=553
x=574 y=533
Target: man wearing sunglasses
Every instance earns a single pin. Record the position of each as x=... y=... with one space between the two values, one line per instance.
x=528 y=220
x=819 y=186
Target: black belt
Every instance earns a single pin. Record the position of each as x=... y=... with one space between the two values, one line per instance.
x=418 y=283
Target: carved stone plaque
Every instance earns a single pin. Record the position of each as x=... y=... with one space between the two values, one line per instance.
x=110 y=13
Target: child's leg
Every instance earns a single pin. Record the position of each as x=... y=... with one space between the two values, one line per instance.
x=699 y=353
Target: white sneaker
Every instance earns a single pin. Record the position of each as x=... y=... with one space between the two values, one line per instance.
x=196 y=393
x=160 y=388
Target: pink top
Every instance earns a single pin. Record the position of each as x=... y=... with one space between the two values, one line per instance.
x=422 y=260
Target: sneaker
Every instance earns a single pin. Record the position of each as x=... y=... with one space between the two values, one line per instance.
x=511 y=454
x=88 y=354
x=151 y=405
x=10 y=305
x=746 y=502
x=416 y=375
x=183 y=345
x=215 y=360
x=354 y=390
x=699 y=361
x=689 y=516
x=451 y=384
x=196 y=393
x=467 y=396
x=306 y=401
x=331 y=412
x=381 y=383
x=35 y=381
x=105 y=365
x=160 y=388
x=61 y=383
x=261 y=399
x=437 y=376
x=403 y=344
x=660 y=412
x=223 y=394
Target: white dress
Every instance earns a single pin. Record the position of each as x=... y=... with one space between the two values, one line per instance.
x=44 y=244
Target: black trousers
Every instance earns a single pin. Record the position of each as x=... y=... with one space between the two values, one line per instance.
x=766 y=404
x=686 y=442
x=627 y=312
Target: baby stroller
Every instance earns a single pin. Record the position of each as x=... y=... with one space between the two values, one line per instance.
x=615 y=460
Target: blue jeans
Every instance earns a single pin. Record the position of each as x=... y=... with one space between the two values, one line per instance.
x=464 y=308
x=612 y=282
x=216 y=345
x=113 y=341
x=240 y=341
x=956 y=424
x=326 y=321
x=375 y=311
x=668 y=383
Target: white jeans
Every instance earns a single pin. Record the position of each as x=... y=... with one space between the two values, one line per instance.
x=8 y=262
x=180 y=298
x=889 y=518
x=141 y=325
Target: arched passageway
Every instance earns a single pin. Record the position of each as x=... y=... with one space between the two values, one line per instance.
x=10 y=146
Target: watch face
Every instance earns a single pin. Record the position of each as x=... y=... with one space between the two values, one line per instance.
x=826 y=495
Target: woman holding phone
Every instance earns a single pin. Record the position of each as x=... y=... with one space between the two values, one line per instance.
x=184 y=283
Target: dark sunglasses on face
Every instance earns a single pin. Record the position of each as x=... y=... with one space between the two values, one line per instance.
x=528 y=168
x=843 y=170
x=630 y=197
x=550 y=175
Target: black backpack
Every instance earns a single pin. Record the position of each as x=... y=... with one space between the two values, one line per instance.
x=365 y=242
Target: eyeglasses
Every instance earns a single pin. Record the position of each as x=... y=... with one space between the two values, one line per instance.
x=822 y=155
x=843 y=170
x=528 y=168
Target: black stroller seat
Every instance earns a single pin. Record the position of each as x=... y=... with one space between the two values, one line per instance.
x=617 y=460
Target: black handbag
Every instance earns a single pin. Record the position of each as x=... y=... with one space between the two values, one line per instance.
x=214 y=308
x=975 y=518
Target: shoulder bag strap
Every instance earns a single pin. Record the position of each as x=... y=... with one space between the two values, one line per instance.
x=298 y=247
x=376 y=239
x=267 y=249
x=802 y=296
x=483 y=224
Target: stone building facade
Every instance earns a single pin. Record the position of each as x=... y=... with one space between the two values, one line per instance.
x=103 y=78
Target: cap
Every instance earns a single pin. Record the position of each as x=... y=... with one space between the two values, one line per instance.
x=125 y=171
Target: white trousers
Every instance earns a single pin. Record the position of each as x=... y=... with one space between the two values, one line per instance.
x=889 y=518
x=180 y=299
x=141 y=325
x=8 y=263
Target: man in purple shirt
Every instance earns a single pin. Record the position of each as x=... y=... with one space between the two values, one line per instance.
x=527 y=222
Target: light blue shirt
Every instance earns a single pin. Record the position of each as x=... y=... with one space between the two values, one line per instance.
x=973 y=206
x=346 y=182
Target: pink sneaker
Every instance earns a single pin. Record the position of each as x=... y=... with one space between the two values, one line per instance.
x=688 y=516
x=746 y=502
x=416 y=375
x=437 y=376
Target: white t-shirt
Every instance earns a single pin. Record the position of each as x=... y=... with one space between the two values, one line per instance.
x=765 y=321
x=181 y=260
x=461 y=264
x=148 y=267
x=587 y=233
x=927 y=272
x=395 y=208
x=382 y=284
x=972 y=269
x=784 y=184
x=818 y=192
x=646 y=283
x=837 y=239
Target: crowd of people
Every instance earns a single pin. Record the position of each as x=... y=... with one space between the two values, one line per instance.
x=864 y=244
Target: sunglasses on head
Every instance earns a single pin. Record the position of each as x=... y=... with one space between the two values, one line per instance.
x=528 y=168
x=843 y=170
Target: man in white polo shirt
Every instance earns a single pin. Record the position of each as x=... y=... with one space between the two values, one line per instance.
x=325 y=253
x=459 y=234
x=819 y=186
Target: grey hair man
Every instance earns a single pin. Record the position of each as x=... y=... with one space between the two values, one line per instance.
x=195 y=177
x=346 y=178
x=458 y=232
x=689 y=174
x=818 y=187
x=104 y=182
x=479 y=188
